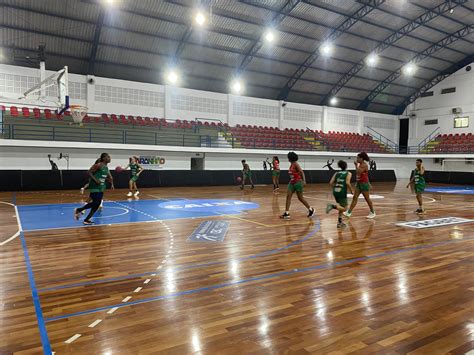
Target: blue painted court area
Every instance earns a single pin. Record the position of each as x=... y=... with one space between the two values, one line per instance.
x=458 y=190
x=54 y=216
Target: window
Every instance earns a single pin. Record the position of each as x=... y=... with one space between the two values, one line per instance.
x=430 y=122
x=448 y=91
x=461 y=122
x=427 y=93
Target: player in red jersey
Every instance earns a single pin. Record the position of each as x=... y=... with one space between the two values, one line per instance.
x=362 y=185
x=276 y=174
x=297 y=181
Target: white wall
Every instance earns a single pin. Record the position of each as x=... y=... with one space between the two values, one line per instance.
x=32 y=155
x=439 y=107
x=140 y=99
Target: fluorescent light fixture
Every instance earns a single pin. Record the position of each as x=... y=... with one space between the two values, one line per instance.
x=236 y=86
x=326 y=49
x=333 y=101
x=200 y=18
x=372 y=60
x=172 y=77
x=269 y=36
x=409 y=69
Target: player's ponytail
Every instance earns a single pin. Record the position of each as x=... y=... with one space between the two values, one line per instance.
x=363 y=156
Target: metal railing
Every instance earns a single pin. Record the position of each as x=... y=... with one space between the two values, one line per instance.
x=422 y=145
x=387 y=142
x=109 y=135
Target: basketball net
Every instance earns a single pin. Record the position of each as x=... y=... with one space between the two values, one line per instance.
x=78 y=113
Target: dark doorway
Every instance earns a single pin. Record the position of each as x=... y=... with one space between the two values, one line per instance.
x=403 y=139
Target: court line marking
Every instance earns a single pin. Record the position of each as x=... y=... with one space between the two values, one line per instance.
x=14 y=236
x=74 y=337
x=259 y=278
x=34 y=293
x=188 y=266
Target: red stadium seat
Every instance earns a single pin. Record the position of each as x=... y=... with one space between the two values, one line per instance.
x=48 y=114
x=14 y=111
x=36 y=113
x=25 y=112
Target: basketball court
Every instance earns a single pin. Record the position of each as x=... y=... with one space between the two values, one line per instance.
x=301 y=285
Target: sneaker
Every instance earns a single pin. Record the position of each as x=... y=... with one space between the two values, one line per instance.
x=136 y=193
x=420 y=210
x=130 y=194
x=76 y=214
x=82 y=191
x=87 y=223
x=101 y=207
x=341 y=225
x=371 y=215
x=241 y=187
x=329 y=208
x=310 y=212
x=285 y=216
x=252 y=187
x=347 y=214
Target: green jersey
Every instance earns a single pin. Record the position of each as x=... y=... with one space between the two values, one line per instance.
x=340 y=187
x=134 y=169
x=420 y=182
x=101 y=175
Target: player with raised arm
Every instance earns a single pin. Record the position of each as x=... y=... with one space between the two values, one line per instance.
x=340 y=182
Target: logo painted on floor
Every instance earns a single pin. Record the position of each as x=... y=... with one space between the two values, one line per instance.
x=373 y=197
x=437 y=222
x=210 y=231
x=459 y=190
x=213 y=206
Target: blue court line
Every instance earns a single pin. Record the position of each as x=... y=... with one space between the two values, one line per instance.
x=257 y=278
x=185 y=266
x=36 y=301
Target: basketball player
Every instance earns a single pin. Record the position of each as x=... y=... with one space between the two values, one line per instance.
x=276 y=174
x=135 y=171
x=246 y=174
x=362 y=185
x=340 y=182
x=418 y=181
x=297 y=181
x=98 y=174
x=86 y=186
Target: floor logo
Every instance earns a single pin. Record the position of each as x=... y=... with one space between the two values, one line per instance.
x=437 y=222
x=459 y=190
x=210 y=231
x=214 y=206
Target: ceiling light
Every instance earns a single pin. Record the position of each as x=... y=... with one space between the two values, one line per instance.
x=451 y=11
x=333 y=101
x=372 y=59
x=200 y=18
x=409 y=69
x=172 y=77
x=269 y=36
x=236 y=87
x=326 y=49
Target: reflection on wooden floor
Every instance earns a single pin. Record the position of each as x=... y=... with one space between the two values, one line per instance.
x=271 y=286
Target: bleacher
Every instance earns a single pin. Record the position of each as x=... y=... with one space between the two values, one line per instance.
x=45 y=124
x=451 y=143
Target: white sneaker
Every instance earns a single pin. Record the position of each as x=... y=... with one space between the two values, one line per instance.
x=347 y=214
x=82 y=191
x=371 y=215
x=101 y=207
x=137 y=193
x=130 y=194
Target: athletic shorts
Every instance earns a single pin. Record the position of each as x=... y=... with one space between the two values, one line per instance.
x=298 y=187
x=419 y=188
x=248 y=175
x=363 y=186
x=134 y=178
x=276 y=173
x=341 y=200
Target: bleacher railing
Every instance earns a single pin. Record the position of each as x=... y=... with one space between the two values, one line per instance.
x=432 y=136
x=387 y=142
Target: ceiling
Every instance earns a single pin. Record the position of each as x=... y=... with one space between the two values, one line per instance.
x=140 y=40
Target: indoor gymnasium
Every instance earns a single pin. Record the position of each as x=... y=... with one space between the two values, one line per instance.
x=236 y=176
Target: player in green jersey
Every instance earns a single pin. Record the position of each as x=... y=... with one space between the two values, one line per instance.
x=246 y=174
x=135 y=171
x=98 y=174
x=418 y=183
x=340 y=182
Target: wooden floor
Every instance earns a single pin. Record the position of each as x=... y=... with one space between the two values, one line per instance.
x=272 y=286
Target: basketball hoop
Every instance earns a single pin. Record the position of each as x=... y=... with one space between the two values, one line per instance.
x=78 y=112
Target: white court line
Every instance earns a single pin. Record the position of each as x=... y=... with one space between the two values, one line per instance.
x=112 y=310
x=20 y=229
x=138 y=289
x=71 y=339
x=126 y=299
x=146 y=281
x=94 y=323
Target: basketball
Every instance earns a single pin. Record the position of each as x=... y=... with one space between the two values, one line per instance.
x=118 y=169
x=239 y=180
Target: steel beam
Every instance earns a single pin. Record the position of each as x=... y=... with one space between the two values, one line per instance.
x=348 y=23
x=394 y=37
x=418 y=58
x=96 y=40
